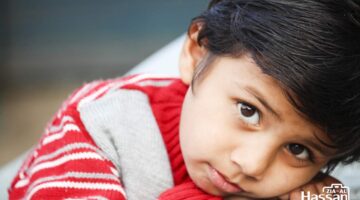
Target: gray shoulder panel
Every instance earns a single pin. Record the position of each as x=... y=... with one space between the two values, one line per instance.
x=123 y=126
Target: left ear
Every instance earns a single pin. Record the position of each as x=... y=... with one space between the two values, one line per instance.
x=191 y=54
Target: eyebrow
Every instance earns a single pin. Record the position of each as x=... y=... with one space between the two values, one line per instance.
x=261 y=99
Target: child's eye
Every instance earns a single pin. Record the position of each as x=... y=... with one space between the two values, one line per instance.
x=248 y=113
x=299 y=151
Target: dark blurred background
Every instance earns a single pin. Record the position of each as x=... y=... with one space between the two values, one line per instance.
x=50 y=47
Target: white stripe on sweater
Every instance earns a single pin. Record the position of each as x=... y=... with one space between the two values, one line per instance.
x=64 y=159
x=67 y=148
x=142 y=78
x=57 y=128
x=88 y=198
x=115 y=172
x=116 y=85
x=94 y=95
x=82 y=91
x=83 y=175
x=88 y=175
x=157 y=83
x=79 y=94
x=76 y=185
x=56 y=136
x=22 y=183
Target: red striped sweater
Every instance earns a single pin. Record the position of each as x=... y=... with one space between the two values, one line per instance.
x=68 y=164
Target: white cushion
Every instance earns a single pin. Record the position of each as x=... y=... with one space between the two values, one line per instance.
x=164 y=61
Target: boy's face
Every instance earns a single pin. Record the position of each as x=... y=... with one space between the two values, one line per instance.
x=238 y=130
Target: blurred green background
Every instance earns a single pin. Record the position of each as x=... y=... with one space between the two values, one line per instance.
x=50 y=47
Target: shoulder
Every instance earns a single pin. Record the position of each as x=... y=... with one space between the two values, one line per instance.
x=98 y=89
x=78 y=139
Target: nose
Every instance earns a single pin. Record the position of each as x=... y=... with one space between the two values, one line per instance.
x=254 y=158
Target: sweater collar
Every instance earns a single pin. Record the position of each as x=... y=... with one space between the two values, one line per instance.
x=166 y=104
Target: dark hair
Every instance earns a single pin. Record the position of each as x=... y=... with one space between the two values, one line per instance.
x=311 y=47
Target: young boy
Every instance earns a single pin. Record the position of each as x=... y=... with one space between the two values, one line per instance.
x=269 y=95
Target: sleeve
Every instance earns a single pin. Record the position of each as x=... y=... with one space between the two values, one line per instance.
x=186 y=191
x=66 y=163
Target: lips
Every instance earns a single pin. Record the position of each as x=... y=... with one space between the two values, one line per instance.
x=221 y=183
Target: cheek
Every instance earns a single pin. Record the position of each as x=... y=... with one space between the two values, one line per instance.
x=198 y=139
x=285 y=179
x=191 y=139
x=201 y=128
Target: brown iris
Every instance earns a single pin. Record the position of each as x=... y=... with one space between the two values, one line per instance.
x=296 y=149
x=247 y=110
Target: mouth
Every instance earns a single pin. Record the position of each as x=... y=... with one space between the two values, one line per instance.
x=220 y=182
